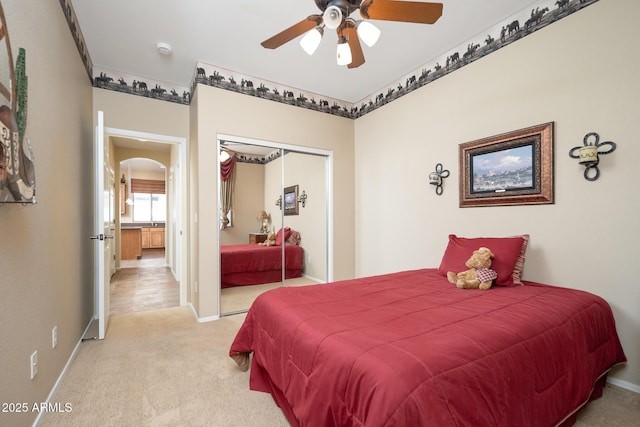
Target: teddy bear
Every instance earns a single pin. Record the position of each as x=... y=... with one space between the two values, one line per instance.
x=271 y=240
x=479 y=275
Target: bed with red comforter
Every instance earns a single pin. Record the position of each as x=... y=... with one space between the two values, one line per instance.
x=252 y=264
x=409 y=349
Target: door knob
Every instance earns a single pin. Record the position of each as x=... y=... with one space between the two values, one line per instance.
x=102 y=237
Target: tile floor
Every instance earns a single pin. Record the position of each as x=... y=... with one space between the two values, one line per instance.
x=144 y=284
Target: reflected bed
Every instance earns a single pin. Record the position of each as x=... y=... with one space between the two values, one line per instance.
x=252 y=264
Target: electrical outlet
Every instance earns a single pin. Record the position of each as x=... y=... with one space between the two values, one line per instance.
x=54 y=337
x=34 y=364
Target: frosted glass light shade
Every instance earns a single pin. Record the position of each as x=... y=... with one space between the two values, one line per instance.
x=311 y=41
x=343 y=54
x=332 y=17
x=368 y=32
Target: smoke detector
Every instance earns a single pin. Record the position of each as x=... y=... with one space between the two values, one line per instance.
x=163 y=48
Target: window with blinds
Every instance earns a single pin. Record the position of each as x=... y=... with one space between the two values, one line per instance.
x=147 y=186
x=149 y=200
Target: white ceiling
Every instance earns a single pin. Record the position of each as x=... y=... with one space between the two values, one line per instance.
x=121 y=36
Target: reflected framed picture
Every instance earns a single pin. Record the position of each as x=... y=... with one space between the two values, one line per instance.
x=514 y=168
x=291 y=200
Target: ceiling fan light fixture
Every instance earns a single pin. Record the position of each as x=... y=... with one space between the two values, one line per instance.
x=368 y=32
x=343 y=53
x=332 y=17
x=311 y=40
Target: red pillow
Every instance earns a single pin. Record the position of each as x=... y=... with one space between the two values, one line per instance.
x=507 y=250
x=280 y=237
x=517 y=269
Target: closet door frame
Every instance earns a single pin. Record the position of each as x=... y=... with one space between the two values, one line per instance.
x=327 y=154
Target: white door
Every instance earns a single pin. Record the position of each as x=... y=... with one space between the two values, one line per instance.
x=103 y=236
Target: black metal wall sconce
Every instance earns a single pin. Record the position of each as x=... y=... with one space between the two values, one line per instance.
x=302 y=198
x=588 y=154
x=435 y=178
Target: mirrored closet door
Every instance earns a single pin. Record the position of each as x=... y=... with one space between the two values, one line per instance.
x=273 y=220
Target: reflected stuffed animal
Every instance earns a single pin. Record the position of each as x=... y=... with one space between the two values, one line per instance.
x=479 y=275
x=271 y=240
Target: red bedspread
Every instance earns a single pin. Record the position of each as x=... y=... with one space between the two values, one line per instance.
x=251 y=264
x=409 y=349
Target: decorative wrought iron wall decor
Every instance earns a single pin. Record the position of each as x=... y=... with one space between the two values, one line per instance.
x=302 y=198
x=435 y=178
x=589 y=154
x=291 y=200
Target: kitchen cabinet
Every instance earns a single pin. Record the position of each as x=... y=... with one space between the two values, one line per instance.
x=156 y=237
x=145 y=238
x=152 y=237
x=130 y=243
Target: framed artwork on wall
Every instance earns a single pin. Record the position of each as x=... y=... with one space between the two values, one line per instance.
x=514 y=168
x=291 y=200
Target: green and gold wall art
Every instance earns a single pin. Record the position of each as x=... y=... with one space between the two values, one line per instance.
x=17 y=169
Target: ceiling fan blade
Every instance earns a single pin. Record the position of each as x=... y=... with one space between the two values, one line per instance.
x=402 y=11
x=292 y=32
x=357 y=57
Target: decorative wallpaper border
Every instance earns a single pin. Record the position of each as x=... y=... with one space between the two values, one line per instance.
x=134 y=85
x=254 y=159
x=514 y=28
x=76 y=33
x=211 y=75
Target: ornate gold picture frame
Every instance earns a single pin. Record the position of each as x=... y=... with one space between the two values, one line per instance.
x=514 y=168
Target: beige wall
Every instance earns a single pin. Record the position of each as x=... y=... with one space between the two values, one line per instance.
x=580 y=73
x=142 y=114
x=45 y=252
x=217 y=111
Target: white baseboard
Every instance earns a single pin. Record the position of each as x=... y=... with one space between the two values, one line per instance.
x=624 y=384
x=202 y=319
x=64 y=370
x=315 y=279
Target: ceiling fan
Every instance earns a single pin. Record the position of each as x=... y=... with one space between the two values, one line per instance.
x=336 y=14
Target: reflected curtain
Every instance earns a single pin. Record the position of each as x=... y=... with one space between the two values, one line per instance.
x=227 y=177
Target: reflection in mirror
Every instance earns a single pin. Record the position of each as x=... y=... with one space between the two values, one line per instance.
x=251 y=261
x=306 y=172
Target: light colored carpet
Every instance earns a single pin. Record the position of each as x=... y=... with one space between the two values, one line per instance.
x=162 y=368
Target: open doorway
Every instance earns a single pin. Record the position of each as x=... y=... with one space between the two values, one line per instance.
x=144 y=280
x=150 y=177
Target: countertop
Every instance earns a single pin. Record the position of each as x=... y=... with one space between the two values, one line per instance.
x=137 y=226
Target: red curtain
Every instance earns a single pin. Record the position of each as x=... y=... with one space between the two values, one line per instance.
x=226 y=168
